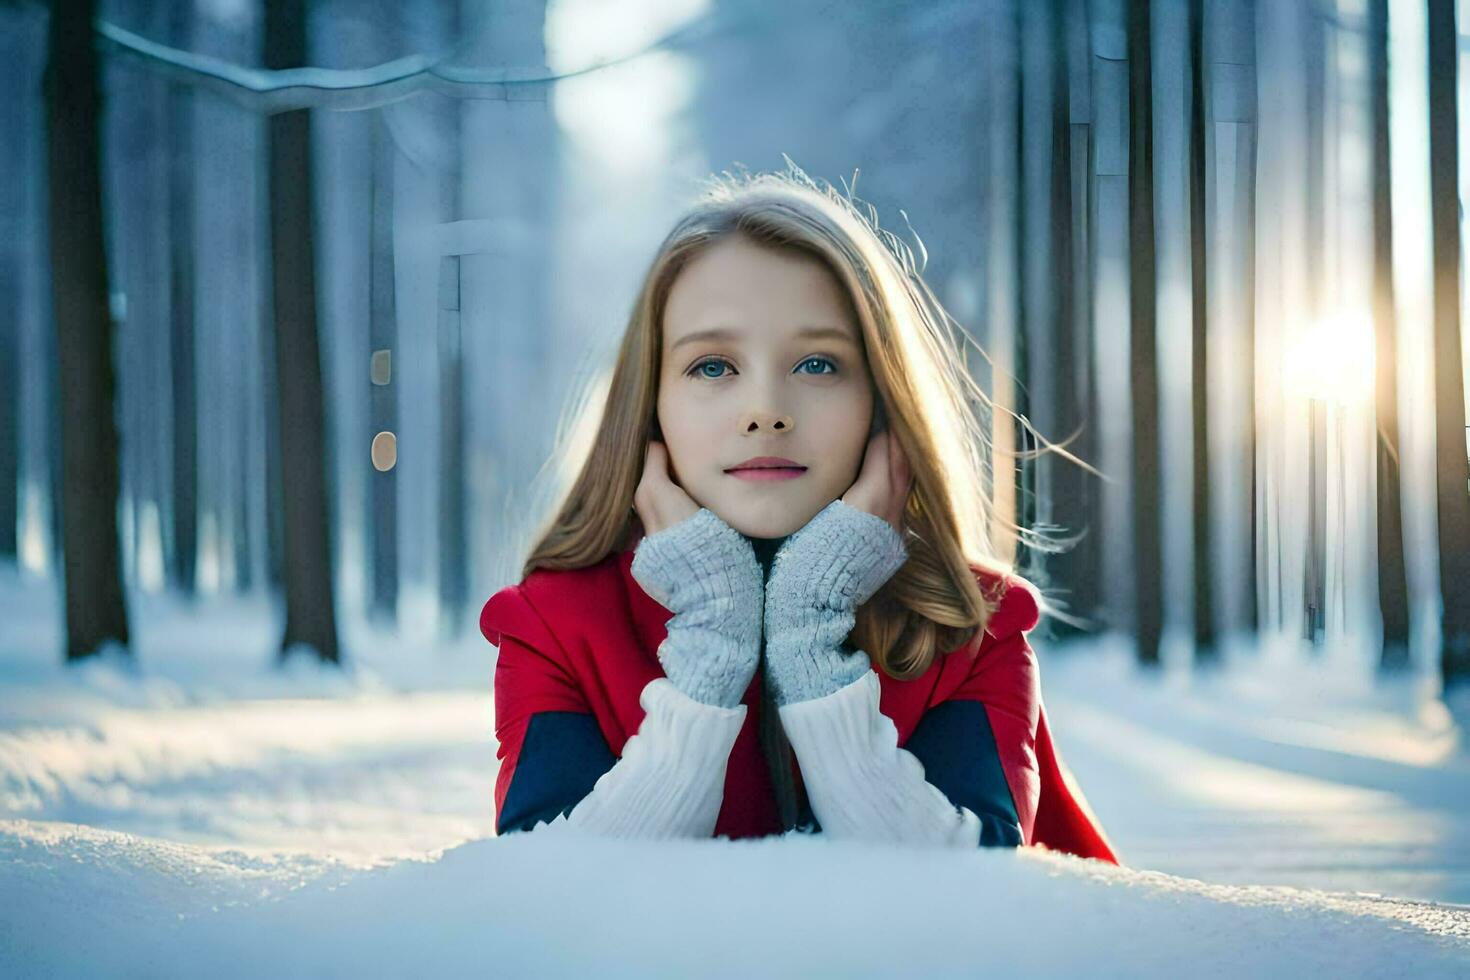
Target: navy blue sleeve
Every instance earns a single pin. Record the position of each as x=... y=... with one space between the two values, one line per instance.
x=561 y=758
x=955 y=743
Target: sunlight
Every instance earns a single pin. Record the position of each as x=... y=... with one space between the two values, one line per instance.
x=621 y=115
x=207 y=573
x=151 y=571
x=1332 y=360
x=34 y=547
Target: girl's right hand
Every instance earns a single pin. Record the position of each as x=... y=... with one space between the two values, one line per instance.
x=659 y=501
x=706 y=573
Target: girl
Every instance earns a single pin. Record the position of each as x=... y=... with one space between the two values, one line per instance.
x=767 y=602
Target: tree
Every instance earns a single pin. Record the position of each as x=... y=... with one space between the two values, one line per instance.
x=182 y=241
x=14 y=252
x=1083 y=568
x=310 y=603
x=1452 y=470
x=1029 y=254
x=1074 y=568
x=1393 y=585
x=96 y=609
x=453 y=550
x=1144 y=373
x=1204 y=580
x=382 y=331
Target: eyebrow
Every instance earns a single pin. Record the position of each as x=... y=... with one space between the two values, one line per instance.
x=725 y=333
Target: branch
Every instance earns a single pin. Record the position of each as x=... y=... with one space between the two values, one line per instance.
x=285 y=90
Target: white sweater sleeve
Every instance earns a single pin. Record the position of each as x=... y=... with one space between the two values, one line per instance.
x=670 y=781
x=860 y=783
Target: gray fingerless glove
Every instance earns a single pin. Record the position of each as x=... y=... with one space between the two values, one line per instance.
x=706 y=573
x=821 y=575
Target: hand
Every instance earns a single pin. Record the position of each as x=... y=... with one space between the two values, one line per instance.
x=883 y=484
x=821 y=575
x=659 y=501
x=705 y=573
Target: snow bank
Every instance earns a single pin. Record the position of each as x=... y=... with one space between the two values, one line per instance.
x=87 y=902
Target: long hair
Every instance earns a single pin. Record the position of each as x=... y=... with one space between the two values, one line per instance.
x=917 y=358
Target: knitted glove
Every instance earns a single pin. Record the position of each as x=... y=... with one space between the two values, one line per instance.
x=821 y=575
x=706 y=573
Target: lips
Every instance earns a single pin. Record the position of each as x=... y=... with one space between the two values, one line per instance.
x=765 y=468
x=767 y=463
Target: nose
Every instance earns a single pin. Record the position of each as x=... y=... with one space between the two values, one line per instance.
x=767 y=422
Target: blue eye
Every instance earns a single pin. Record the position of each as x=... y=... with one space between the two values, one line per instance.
x=820 y=360
x=707 y=362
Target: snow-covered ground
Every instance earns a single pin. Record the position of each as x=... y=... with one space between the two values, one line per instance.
x=206 y=812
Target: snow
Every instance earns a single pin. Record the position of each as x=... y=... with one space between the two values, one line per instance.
x=530 y=905
x=203 y=811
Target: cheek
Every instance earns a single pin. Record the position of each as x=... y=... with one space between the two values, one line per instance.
x=680 y=419
x=844 y=425
x=686 y=429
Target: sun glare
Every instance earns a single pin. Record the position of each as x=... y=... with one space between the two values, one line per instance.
x=1332 y=360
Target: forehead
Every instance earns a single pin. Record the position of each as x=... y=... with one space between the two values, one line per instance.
x=737 y=289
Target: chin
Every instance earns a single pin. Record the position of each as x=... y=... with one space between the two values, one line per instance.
x=757 y=521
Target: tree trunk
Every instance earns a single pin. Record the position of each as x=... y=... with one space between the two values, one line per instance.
x=1247 y=208
x=310 y=607
x=15 y=251
x=1393 y=585
x=1069 y=482
x=382 y=341
x=454 y=549
x=1003 y=277
x=1205 y=648
x=1143 y=376
x=1085 y=564
x=182 y=242
x=1317 y=272
x=1028 y=561
x=96 y=610
x=1451 y=467
x=453 y=526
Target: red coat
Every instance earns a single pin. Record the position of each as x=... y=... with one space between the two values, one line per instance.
x=584 y=641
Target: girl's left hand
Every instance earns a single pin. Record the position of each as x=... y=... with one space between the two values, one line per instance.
x=883 y=484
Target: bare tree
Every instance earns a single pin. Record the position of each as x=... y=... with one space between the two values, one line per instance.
x=96 y=609
x=15 y=251
x=1070 y=483
x=1027 y=468
x=1452 y=470
x=1144 y=374
x=453 y=548
x=1393 y=585
x=382 y=393
x=453 y=522
x=310 y=607
x=182 y=242
x=1083 y=567
x=1205 y=649
x=1247 y=209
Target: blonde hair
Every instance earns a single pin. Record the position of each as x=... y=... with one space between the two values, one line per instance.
x=916 y=355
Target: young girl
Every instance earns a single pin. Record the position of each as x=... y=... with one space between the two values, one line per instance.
x=767 y=602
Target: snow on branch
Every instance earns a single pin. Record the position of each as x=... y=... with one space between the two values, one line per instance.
x=283 y=90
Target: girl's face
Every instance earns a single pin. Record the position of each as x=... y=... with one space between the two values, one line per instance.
x=762 y=357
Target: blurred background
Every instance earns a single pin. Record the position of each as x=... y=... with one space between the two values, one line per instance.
x=305 y=307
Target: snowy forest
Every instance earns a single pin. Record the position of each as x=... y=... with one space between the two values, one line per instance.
x=307 y=309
